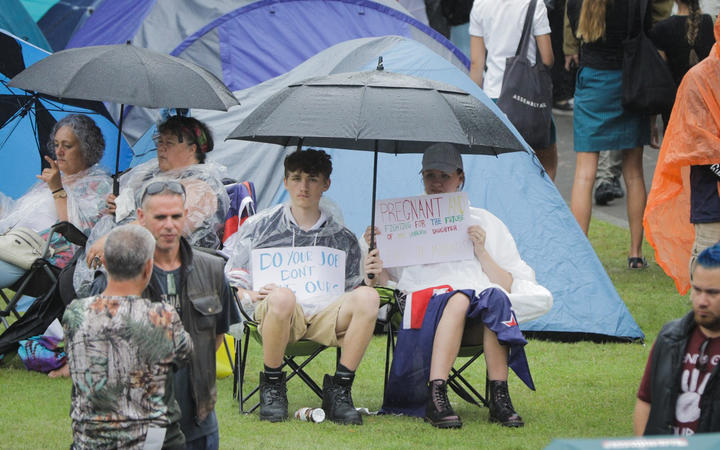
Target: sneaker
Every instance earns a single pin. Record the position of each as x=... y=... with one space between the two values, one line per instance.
x=501 y=408
x=438 y=410
x=338 y=403
x=617 y=189
x=273 y=398
x=604 y=193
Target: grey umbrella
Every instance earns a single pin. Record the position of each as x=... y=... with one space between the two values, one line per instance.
x=127 y=75
x=377 y=111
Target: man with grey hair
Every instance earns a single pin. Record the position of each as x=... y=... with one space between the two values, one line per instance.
x=121 y=351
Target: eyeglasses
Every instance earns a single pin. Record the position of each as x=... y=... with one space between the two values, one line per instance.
x=161 y=141
x=157 y=187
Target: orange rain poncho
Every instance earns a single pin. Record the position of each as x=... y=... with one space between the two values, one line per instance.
x=692 y=138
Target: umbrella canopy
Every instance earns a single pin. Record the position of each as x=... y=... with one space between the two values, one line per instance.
x=377 y=110
x=128 y=75
x=380 y=111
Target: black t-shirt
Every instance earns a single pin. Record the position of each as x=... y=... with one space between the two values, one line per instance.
x=607 y=53
x=670 y=36
x=704 y=197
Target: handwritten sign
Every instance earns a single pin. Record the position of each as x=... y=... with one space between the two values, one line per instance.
x=307 y=271
x=424 y=229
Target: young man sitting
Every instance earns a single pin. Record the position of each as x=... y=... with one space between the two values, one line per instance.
x=346 y=319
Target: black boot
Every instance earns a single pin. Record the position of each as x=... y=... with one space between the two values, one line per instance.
x=338 y=403
x=438 y=410
x=501 y=408
x=273 y=397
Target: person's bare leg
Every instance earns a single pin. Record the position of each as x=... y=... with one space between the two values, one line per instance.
x=448 y=336
x=496 y=356
x=581 y=198
x=62 y=372
x=357 y=317
x=636 y=197
x=276 y=325
x=549 y=159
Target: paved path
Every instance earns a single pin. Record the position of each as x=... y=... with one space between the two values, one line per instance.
x=614 y=212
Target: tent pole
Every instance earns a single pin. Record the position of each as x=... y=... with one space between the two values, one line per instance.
x=372 y=217
x=116 y=181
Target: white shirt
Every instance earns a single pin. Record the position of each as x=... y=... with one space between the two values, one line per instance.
x=500 y=23
x=529 y=299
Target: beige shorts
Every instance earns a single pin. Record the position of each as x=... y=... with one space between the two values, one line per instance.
x=706 y=235
x=319 y=327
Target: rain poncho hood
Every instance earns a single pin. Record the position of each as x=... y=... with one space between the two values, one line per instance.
x=274 y=227
x=692 y=138
x=86 y=191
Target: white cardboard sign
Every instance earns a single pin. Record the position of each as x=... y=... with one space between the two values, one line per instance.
x=307 y=271
x=424 y=229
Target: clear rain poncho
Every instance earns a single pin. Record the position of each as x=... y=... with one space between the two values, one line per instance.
x=207 y=203
x=273 y=227
x=86 y=192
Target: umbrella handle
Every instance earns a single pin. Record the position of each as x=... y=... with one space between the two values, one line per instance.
x=374 y=191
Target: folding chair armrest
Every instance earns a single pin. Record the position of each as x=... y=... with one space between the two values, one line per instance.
x=69 y=232
x=246 y=315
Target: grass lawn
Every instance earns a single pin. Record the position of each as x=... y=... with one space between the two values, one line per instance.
x=583 y=389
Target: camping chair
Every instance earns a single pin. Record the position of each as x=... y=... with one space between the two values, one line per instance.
x=456 y=381
x=42 y=276
x=297 y=356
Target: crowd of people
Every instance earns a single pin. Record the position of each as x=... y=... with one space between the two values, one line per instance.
x=151 y=302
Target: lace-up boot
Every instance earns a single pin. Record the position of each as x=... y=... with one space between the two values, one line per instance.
x=438 y=410
x=501 y=408
x=273 y=397
x=338 y=403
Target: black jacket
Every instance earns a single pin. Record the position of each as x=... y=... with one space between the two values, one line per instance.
x=203 y=281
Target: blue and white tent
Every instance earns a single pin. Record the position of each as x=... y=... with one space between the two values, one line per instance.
x=513 y=186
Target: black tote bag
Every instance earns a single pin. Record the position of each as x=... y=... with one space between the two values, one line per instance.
x=526 y=93
x=647 y=84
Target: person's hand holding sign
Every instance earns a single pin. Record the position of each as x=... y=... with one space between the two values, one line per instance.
x=477 y=236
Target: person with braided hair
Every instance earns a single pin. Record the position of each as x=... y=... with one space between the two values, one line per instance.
x=683 y=39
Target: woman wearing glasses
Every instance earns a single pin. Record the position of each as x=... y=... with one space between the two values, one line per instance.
x=182 y=147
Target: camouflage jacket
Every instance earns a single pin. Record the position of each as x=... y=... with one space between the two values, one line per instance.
x=120 y=352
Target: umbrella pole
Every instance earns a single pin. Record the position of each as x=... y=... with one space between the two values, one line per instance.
x=372 y=216
x=116 y=181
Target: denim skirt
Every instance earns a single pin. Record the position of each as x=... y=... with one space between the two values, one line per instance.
x=599 y=120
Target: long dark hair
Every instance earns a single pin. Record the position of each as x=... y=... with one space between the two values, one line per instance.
x=693 y=28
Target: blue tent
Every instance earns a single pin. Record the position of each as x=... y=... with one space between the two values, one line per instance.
x=255 y=41
x=513 y=186
x=26 y=119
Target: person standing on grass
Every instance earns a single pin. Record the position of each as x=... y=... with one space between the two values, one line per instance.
x=193 y=282
x=679 y=391
x=121 y=350
x=346 y=320
x=683 y=210
x=495 y=32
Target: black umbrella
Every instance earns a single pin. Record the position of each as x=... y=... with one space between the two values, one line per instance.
x=126 y=74
x=377 y=111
